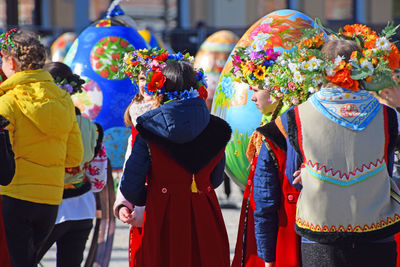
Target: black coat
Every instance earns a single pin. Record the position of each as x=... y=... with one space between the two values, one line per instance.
x=7 y=162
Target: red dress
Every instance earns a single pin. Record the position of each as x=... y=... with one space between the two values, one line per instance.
x=182 y=227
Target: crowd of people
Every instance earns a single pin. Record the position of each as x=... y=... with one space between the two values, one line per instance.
x=322 y=188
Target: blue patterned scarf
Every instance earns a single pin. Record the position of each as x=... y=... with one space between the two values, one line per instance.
x=350 y=109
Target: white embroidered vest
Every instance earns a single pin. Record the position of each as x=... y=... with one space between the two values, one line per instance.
x=347 y=192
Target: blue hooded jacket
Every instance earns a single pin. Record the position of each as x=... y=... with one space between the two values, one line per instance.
x=189 y=134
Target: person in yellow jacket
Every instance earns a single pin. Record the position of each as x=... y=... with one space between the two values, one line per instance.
x=46 y=139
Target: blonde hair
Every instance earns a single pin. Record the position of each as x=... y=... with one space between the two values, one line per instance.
x=28 y=51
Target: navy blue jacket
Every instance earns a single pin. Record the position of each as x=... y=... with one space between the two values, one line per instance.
x=267 y=196
x=184 y=128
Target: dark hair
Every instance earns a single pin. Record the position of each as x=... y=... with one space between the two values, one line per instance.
x=339 y=47
x=180 y=76
x=61 y=71
x=28 y=50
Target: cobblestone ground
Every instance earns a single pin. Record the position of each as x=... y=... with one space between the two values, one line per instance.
x=119 y=256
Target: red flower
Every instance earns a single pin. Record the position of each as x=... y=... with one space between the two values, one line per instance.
x=123 y=43
x=156 y=82
x=115 y=56
x=113 y=39
x=393 y=57
x=343 y=79
x=161 y=57
x=100 y=50
x=114 y=68
x=203 y=92
x=104 y=73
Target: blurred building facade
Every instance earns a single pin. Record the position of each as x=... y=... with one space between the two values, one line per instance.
x=188 y=22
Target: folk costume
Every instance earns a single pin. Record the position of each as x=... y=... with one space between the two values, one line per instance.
x=246 y=248
x=266 y=226
x=268 y=207
x=360 y=207
x=180 y=149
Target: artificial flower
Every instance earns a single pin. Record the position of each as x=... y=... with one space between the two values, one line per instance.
x=157 y=81
x=343 y=79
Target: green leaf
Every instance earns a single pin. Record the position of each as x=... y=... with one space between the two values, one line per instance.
x=359 y=73
x=390 y=30
x=379 y=82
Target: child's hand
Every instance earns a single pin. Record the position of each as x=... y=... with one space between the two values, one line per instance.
x=297 y=177
x=270 y=264
x=124 y=214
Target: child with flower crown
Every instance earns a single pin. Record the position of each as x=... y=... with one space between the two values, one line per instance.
x=135 y=65
x=180 y=152
x=344 y=140
x=45 y=138
x=266 y=234
x=78 y=208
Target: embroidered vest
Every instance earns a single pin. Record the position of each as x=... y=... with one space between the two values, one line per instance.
x=347 y=192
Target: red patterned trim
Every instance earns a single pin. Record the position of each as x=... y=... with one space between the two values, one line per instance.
x=353 y=229
x=338 y=174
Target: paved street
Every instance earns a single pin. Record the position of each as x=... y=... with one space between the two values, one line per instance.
x=119 y=256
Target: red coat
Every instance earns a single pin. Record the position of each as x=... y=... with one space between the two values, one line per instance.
x=182 y=228
x=288 y=252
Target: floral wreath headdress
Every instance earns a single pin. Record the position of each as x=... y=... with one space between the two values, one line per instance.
x=142 y=60
x=302 y=71
x=252 y=66
x=373 y=68
x=5 y=39
x=71 y=87
x=153 y=61
x=299 y=73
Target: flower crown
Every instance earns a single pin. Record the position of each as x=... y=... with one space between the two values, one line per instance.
x=252 y=66
x=152 y=62
x=300 y=72
x=156 y=80
x=372 y=68
x=5 y=39
x=70 y=87
x=142 y=60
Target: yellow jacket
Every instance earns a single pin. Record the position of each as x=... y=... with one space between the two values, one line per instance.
x=44 y=135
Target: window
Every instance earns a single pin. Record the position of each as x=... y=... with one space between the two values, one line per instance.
x=339 y=9
x=25 y=12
